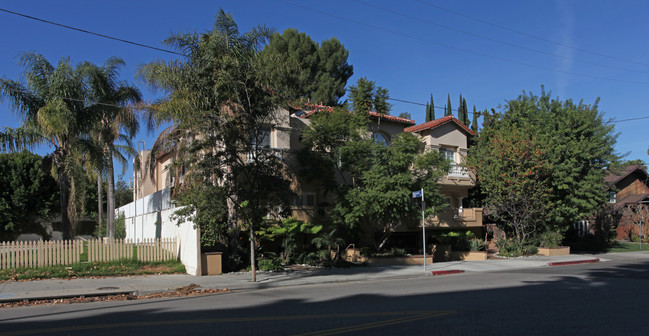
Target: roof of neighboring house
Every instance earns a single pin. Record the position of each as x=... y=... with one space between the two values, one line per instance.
x=312 y=109
x=630 y=199
x=437 y=123
x=616 y=176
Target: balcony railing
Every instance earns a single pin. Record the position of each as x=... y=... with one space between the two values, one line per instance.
x=458 y=171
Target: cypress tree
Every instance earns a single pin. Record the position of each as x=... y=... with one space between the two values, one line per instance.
x=449 y=109
x=474 y=124
x=460 y=111
x=430 y=109
x=465 y=113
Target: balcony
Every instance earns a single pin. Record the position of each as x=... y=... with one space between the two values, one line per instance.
x=458 y=218
x=458 y=171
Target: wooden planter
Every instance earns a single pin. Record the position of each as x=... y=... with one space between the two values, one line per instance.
x=554 y=251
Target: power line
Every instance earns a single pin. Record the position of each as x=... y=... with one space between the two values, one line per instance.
x=506 y=60
x=529 y=35
x=493 y=39
x=92 y=33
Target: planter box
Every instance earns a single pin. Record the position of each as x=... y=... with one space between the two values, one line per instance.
x=467 y=255
x=412 y=260
x=211 y=263
x=554 y=251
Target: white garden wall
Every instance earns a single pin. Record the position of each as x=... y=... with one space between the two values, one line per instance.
x=150 y=217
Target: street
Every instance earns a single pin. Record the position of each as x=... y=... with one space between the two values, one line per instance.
x=591 y=299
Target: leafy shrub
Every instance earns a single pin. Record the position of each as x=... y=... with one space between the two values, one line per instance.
x=476 y=244
x=120 y=228
x=550 y=239
x=270 y=264
x=393 y=252
x=513 y=248
x=459 y=241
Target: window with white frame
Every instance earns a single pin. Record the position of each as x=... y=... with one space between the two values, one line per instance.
x=612 y=197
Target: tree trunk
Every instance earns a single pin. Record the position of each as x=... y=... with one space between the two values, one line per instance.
x=100 y=202
x=110 y=194
x=252 y=255
x=64 y=191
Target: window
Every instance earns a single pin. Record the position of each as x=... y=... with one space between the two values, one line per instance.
x=449 y=154
x=261 y=137
x=305 y=200
x=612 y=197
x=381 y=139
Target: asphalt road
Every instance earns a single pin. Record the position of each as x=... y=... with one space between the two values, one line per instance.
x=593 y=299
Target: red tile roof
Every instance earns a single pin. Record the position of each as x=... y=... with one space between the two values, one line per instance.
x=313 y=108
x=436 y=123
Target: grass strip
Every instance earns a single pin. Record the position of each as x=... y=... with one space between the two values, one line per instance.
x=115 y=268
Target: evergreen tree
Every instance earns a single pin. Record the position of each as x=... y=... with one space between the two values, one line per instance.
x=460 y=110
x=465 y=115
x=427 y=112
x=365 y=96
x=300 y=68
x=432 y=108
x=449 y=109
x=474 y=124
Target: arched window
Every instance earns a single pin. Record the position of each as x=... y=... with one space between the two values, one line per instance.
x=380 y=138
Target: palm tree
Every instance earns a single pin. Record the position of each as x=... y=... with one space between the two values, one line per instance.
x=118 y=123
x=51 y=106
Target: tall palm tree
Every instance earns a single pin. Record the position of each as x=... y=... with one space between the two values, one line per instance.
x=51 y=106
x=112 y=101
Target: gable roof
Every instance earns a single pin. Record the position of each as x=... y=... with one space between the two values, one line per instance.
x=314 y=108
x=437 y=123
x=615 y=176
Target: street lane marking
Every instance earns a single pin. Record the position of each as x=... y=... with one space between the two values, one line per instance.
x=409 y=316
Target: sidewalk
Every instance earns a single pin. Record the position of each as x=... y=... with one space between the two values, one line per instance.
x=141 y=285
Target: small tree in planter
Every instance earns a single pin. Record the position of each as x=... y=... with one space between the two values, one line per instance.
x=550 y=244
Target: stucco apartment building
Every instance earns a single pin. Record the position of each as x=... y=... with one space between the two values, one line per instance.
x=447 y=135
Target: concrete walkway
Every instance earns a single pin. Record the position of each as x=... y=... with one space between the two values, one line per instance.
x=140 y=285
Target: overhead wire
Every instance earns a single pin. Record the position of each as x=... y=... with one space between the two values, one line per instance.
x=514 y=45
x=91 y=33
x=506 y=60
x=529 y=35
x=341 y=18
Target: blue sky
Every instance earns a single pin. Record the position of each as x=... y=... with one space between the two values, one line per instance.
x=488 y=51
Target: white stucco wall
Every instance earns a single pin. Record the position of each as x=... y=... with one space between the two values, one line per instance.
x=154 y=220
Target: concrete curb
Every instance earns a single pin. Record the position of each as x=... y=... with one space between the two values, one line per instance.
x=576 y=262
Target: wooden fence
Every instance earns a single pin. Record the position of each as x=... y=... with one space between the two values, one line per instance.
x=146 y=250
x=40 y=253
x=50 y=253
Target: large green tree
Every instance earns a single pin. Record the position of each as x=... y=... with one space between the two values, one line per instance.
x=28 y=193
x=219 y=97
x=577 y=147
x=365 y=96
x=300 y=68
x=117 y=123
x=379 y=200
x=51 y=105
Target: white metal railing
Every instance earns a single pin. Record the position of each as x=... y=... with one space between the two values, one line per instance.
x=458 y=171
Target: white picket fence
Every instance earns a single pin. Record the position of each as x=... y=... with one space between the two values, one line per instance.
x=40 y=253
x=147 y=249
x=66 y=252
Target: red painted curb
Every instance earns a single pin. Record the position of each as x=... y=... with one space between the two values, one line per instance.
x=446 y=272
x=576 y=262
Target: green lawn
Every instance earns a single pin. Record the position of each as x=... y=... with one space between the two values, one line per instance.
x=622 y=246
x=96 y=269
